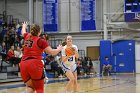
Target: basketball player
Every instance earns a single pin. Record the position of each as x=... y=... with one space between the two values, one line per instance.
x=31 y=67
x=69 y=65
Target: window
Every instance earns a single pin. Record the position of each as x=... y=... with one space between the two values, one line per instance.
x=130 y=1
x=135 y=7
x=128 y=7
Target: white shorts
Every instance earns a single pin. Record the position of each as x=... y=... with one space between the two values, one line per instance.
x=66 y=68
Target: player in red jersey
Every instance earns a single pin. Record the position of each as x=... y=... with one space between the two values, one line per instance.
x=31 y=67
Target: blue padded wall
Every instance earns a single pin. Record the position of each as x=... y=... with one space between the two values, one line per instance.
x=123 y=58
x=105 y=50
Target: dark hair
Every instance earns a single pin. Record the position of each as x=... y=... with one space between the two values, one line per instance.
x=67 y=37
x=35 y=29
x=45 y=36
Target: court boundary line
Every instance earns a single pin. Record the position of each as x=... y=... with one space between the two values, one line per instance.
x=49 y=82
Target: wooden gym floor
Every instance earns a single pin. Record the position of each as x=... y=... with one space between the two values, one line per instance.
x=121 y=83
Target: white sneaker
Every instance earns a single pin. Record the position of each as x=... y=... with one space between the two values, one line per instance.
x=60 y=76
x=46 y=78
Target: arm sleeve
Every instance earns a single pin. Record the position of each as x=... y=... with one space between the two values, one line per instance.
x=25 y=34
x=42 y=43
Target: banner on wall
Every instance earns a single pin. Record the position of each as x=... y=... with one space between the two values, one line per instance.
x=132 y=10
x=50 y=15
x=87 y=15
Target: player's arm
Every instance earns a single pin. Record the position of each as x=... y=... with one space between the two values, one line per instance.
x=65 y=58
x=24 y=26
x=43 y=44
x=76 y=52
x=51 y=51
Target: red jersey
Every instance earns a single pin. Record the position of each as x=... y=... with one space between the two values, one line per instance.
x=33 y=46
x=10 y=54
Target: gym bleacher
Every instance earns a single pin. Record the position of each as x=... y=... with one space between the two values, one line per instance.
x=7 y=71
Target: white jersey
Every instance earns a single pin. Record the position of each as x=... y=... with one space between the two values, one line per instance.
x=71 y=59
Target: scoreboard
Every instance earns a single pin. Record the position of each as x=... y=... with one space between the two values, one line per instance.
x=132 y=5
x=132 y=10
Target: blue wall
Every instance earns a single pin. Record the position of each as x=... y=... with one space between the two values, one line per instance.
x=105 y=50
x=124 y=53
x=121 y=55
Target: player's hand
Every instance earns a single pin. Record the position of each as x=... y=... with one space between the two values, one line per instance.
x=59 y=47
x=25 y=24
x=74 y=50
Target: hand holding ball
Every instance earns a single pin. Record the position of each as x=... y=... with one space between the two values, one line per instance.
x=70 y=51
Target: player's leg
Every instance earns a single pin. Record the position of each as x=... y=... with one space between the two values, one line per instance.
x=69 y=75
x=71 y=78
x=29 y=87
x=26 y=78
x=74 y=70
x=37 y=75
x=75 y=82
x=39 y=85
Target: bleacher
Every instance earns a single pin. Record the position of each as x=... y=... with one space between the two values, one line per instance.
x=8 y=72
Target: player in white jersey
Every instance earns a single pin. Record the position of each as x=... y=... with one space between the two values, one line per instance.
x=69 y=65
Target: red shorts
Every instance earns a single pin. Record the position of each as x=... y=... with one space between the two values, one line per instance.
x=31 y=69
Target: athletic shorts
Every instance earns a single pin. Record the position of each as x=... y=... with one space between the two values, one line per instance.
x=66 y=67
x=31 y=69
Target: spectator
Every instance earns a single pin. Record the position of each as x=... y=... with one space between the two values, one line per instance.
x=55 y=66
x=60 y=71
x=106 y=65
x=12 y=36
x=2 y=34
x=79 y=66
x=90 y=66
x=11 y=57
x=18 y=52
x=84 y=65
x=3 y=51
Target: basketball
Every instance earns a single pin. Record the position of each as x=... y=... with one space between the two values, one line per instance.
x=69 y=51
